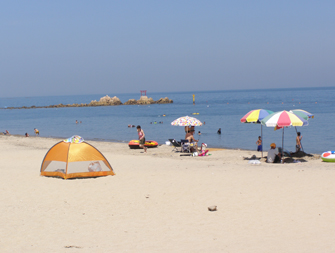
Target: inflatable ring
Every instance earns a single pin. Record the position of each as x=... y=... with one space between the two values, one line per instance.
x=149 y=144
x=328 y=156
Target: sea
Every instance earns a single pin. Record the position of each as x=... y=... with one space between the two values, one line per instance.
x=216 y=109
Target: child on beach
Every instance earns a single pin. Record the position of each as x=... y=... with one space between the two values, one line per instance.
x=259 y=144
x=298 y=142
x=36 y=131
x=141 y=137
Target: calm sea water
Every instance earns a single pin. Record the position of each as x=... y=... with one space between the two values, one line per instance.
x=218 y=109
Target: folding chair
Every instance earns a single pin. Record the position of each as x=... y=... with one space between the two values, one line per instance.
x=185 y=146
x=175 y=144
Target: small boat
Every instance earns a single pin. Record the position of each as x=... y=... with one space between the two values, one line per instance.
x=149 y=144
x=328 y=156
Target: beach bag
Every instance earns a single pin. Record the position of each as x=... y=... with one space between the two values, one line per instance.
x=94 y=166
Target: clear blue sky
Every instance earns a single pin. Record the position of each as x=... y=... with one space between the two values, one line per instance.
x=114 y=46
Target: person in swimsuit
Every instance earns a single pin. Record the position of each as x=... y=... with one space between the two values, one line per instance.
x=259 y=143
x=36 y=131
x=141 y=138
x=191 y=139
x=298 y=142
x=188 y=134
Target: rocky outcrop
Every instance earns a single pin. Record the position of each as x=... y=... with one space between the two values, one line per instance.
x=131 y=102
x=144 y=100
x=104 y=101
x=165 y=100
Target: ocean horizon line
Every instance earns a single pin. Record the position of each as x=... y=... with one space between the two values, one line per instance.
x=174 y=92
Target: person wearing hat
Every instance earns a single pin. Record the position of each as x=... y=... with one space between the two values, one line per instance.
x=273 y=154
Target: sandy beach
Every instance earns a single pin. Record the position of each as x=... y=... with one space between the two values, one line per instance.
x=158 y=202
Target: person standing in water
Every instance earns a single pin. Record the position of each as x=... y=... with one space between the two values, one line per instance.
x=141 y=138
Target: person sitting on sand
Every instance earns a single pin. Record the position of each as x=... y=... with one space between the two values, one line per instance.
x=273 y=154
x=36 y=131
x=26 y=134
x=6 y=133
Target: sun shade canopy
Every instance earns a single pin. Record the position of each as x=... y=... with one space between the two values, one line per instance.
x=73 y=160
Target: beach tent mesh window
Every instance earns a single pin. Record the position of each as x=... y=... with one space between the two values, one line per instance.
x=75 y=160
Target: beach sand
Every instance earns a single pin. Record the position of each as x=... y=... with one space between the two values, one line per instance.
x=158 y=202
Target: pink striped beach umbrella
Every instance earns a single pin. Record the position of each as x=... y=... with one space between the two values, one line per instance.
x=283 y=119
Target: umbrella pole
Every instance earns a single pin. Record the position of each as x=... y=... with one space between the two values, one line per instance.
x=262 y=139
x=282 y=146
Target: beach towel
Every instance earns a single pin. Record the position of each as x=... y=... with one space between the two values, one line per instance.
x=203 y=153
x=74 y=139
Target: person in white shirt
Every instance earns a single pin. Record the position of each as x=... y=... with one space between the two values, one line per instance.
x=273 y=154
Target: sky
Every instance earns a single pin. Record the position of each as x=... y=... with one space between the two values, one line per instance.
x=113 y=46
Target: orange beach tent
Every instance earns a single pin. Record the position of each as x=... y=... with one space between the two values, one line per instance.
x=75 y=160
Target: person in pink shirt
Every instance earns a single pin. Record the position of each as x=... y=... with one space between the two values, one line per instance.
x=141 y=138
